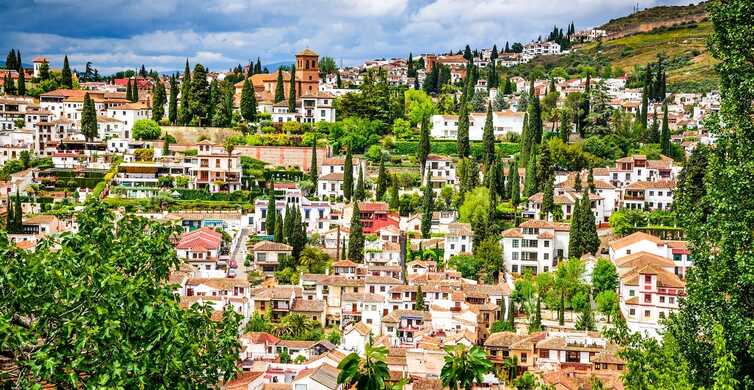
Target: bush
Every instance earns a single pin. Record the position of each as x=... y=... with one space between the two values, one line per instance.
x=451 y=148
x=146 y=129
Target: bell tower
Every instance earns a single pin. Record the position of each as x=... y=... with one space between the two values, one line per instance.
x=307 y=73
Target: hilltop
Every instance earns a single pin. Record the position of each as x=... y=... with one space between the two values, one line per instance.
x=679 y=33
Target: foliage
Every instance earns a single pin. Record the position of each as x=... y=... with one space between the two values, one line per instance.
x=367 y=373
x=604 y=276
x=146 y=129
x=116 y=304
x=468 y=266
x=464 y=367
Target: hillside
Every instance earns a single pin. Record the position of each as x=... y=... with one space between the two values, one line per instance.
x=690 y=65
x=657 y=17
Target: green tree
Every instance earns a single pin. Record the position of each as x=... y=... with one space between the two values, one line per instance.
x=427 y=207
x=653 y=134
x=356 y=237
x=292 y=91
x=89 y=119
x=21 y=83
x=367 y=373
x=548 y=202
x=348 y=175
x=420 y=305
x=63 y=338
x=463 y=367
x=382 y=179
x=184 y=110
x=585 y=321
x=665 y=132
x=279 y=92
x=313 y=170
x=199 y=94
x=135 y=92
x=530 y=180
x=360 y=193
x=146 y=129
x=248 y=102
x=278 y=236
x=173 y=101
x=129 y=92
x=604 y=276
x=66 y=78
x=464 y=148
x=725 y=362
x=394 y=198
x=158 y=102
x=607 y=303
x=424 y=147
x=488 y=138
x=269 y=224
x=490 y=255
x=513 y=179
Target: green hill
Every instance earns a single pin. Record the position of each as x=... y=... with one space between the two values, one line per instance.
x=655 y=17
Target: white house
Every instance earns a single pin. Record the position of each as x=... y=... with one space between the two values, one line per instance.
x=503 y=122
x=535 y=246
x=459 y=240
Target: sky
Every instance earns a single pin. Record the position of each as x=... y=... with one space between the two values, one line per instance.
x=123 y=34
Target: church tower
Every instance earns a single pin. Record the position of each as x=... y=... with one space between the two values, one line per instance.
x=307 y=73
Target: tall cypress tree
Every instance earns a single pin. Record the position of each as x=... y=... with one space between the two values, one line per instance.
x=530 y=180
x=173 y=101
x=424 y=145
x=89 y=119
x=360 y=193
x=577 y=181
x=665 y=132
x=214 y=98
x=10 y=60
x=356 y=237
x=575 y=234
x=21 y=82
x=644 y=108
x=464 y=148
x=545 y=169
x=525 y=141
x=248 y=102
x=547 y=198
x=18 y=218
x=158 y=102
x=184 y=111
x=427 y=206
x=258 y=67
x=199 y=94
x=292 y=91
x=66 y=78
x=129 y=94
x=515 y=185
x=382 y=180
x=9 y=86
x=9 y=215
x=269 y=224
x=653 y=135
x=489 y=141
x=278 y=237
x=348 y=175
x=394 y=197
x=313 y=170
x=535 y=120
x=135 y=91
x=279 y=92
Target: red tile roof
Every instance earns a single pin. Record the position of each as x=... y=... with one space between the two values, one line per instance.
x=201 y=239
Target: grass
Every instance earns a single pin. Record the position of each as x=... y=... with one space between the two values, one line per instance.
x=681 y=42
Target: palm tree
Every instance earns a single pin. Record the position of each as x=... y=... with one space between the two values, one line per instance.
x=294 y=326
x=463 y=367
x=510 y=365
x=368 y=373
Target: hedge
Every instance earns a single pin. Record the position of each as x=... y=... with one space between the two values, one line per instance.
x=449 y=148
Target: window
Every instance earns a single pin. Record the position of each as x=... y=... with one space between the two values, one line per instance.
x=630 y=293
x=647 y=313
x=547 y=243
x=671 y=300
x=632 y=312
x=523 y=358
x=514 y=268
x=662 y=299
x=515 y=243
x=300 y=386
x=514 y=256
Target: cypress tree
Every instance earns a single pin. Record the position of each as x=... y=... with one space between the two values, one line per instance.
x=129 y=94
x=545 y=169
x=515 y=185
x=339 y=82
x=561 y=308
x=500 y=180
x=89 y=119
x=494 y=54
x=313 y=170
x=214 y=98
x=584 y=108
x=199 y=95
x=654 y=130
x=565 y=127
x=491 y=179
x=184 y=111
x=10 y=60
x=18 y=219
x=269 y=224
x=644 y=108
x=427 y=205
x=248 y=102
x=424 y=146
x=292 y=91
x=287 y=225
x=9 y=85
x=420 y=305
x=166 y=144
x=536 y=324
x=158 y=102
x=298 y=235
x=590 y=242
x=258 y=67
x=665 y=133
x=360 y=193
x=356 y=237
x=547 y=198
x=21 y=82
x=279 y=93
x=20 y=65
x=489 y=140
x=66 y=78
x=343 y=251
x=394 y=197
x=348 y=175
x=530 y=180
x=9 y=215
x=575 y=234
x=463 y=129
x=586 y=319
x=173 y=101
x=577 y=181
x=135 y=91
x=278 y=228
x=535 y=120
x=382 y=180
x=590 y=180
x=525 y=142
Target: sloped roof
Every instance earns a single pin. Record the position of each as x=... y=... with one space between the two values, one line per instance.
x=633 y=239
x=200 y=239
x=271 y=246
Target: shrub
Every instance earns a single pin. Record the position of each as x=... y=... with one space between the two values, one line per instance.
x=146 y=129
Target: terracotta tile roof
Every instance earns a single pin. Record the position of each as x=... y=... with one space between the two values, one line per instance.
x=664 y=278
x=344 y=263
x=396 y=315
x=457 y=229
x=335 y=176
x=277 y=293
x=649 y=185
x=501 y=339
x=271 y=246
x=512 y=233
x=362 y=297
x=373 y=206
x=607 y=356
x=219 y=283
x=640 y=259
x=633 y=239
x=201 y=239
x=370 y=279
x=242 y=380
x=362 y=328
x=307 y=52
x=260 y=338
x=308 y=305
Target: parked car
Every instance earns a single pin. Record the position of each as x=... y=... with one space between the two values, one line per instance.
x=232 y=273
x=233 y=264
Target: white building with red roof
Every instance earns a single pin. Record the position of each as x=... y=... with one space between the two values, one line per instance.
x=503 y=122
x=201 y=248
x=640 y=242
